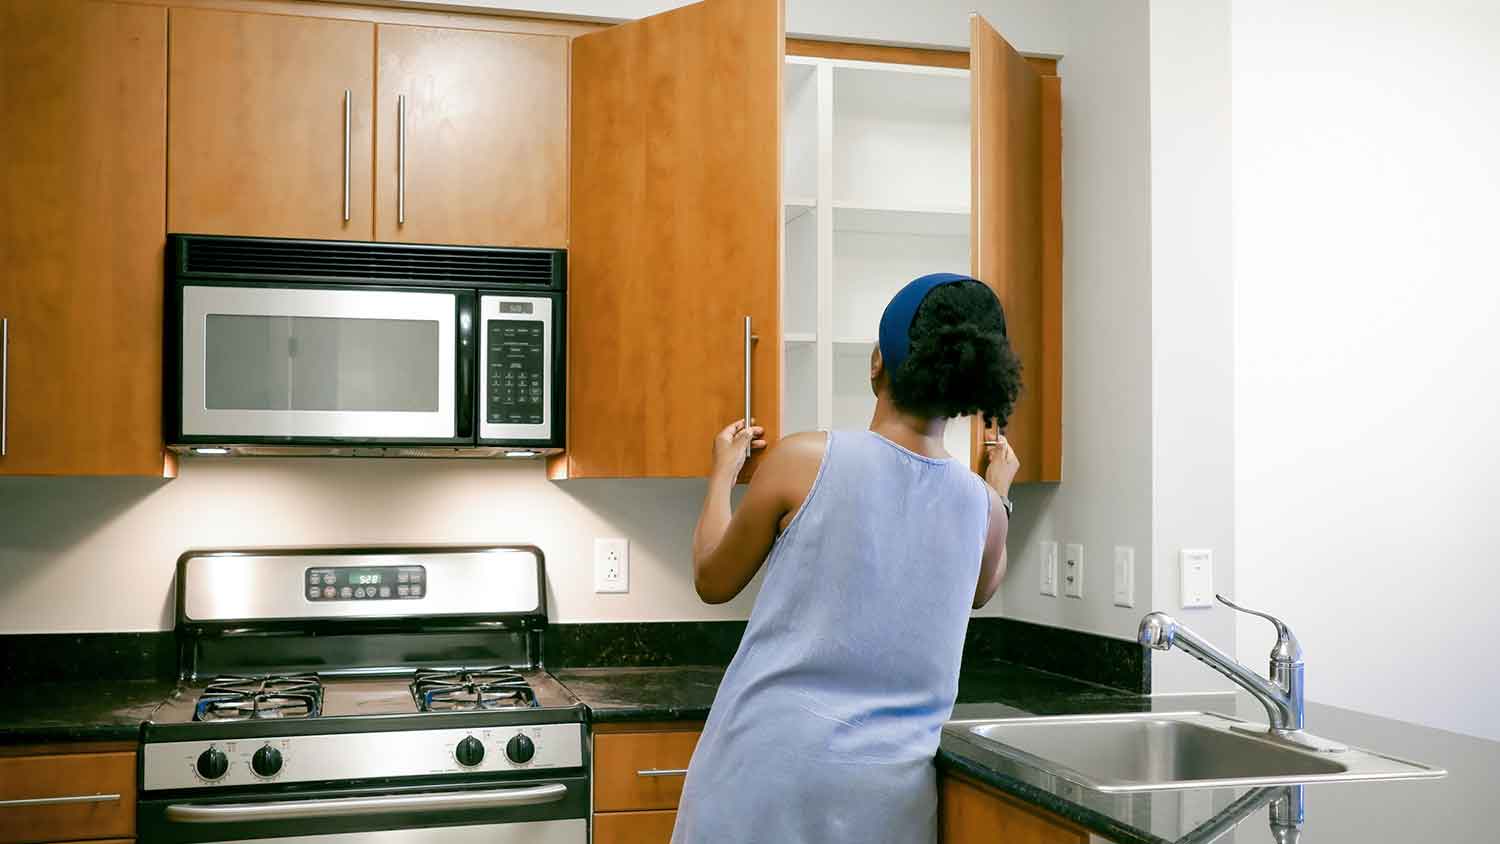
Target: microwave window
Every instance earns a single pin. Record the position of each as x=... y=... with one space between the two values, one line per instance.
x=320 y=363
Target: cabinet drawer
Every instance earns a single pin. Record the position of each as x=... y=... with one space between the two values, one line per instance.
x=634 y=827
x=108 y=776
x=628 y=769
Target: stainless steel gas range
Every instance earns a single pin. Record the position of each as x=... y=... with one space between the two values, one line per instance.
x=392 y=695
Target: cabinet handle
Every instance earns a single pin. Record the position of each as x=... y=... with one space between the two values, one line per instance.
x=401 y=159
x=4 y=378
x=662 y=772
x=749 y=377
x=346 y=155
x=59 y=801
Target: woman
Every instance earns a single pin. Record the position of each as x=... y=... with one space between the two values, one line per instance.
x=876 y=545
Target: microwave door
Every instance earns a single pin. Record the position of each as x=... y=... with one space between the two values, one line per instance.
x=515 y=357
x=279 y=363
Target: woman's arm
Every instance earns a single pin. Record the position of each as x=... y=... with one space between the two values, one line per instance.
x=1000 y=467
x=728 y=549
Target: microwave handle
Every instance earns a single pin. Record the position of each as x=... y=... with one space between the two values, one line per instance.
x=469 y=389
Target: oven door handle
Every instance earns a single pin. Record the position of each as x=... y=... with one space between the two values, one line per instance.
x=354 y=806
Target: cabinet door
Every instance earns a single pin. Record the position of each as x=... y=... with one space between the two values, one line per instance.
x=676 y=237
x=107 y=779
x=83 y=100
x=634 y=827
x=264 y=139
x=478 y=121
x=971 y=814
x=1008 y=239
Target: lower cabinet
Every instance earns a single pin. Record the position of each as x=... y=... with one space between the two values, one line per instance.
x=638 y=775
x=976 y=814
x=634 y=827
x=56 y=794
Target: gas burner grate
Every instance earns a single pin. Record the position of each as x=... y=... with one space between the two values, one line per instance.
x=232 y=698
x=470 y=689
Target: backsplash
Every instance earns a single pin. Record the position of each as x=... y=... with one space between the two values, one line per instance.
x=84 y=555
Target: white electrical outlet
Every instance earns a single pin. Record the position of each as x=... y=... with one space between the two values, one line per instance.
x=1073 y=570
x=1124 y=576
x=1197 y=577
x=611 y=565
x=1049 y=568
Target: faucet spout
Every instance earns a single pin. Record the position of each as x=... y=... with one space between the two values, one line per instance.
x=1161 y=631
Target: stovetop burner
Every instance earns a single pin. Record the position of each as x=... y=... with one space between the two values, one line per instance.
x=470 y=689
x=232 y=698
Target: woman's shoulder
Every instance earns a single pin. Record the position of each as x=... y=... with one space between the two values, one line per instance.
x=807 y=446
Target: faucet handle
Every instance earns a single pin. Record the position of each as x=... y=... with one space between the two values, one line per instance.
x=1287 y=648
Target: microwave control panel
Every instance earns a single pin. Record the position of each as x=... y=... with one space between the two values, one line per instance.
x=517 y=369
x=365 y=583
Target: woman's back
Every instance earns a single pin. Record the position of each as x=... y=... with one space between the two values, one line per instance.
x=825 y=726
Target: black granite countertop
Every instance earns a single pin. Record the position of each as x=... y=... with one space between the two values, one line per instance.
x=1456 y=808
x=79 y=710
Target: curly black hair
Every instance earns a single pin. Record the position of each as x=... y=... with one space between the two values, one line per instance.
x=960 y=362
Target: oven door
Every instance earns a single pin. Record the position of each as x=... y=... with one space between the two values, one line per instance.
x=553 y=811
x=287 y=364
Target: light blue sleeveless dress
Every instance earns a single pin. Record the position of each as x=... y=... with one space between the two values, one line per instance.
x=826 y=724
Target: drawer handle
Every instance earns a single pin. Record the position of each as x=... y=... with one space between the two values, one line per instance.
x=662 y=772
x=59 y=801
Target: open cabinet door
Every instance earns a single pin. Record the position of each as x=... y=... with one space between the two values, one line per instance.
x=675 y=237
x=1013 y=238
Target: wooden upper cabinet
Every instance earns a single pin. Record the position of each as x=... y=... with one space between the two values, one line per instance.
x=676 y=237
x=257 y=127
x=485 y=140
x=83 y=99
x=1011 y=220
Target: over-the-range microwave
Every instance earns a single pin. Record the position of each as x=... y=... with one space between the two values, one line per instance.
x=335 y=348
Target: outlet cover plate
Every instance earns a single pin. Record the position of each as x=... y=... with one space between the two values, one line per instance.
x=611 y=565
x=1124 y=576
x=1049 y=568
x=1197 y=577
x=1073 y=570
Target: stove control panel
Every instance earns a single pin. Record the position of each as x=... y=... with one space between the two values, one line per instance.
x=347 y=756
x=365 y=583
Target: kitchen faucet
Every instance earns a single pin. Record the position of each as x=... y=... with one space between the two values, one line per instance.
x=1281 y=695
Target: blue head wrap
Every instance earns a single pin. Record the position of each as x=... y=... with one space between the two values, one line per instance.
x=895 y=323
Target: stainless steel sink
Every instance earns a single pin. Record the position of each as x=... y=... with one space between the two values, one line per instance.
x=1158 y=751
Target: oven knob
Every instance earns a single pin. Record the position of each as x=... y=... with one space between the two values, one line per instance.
x=266 y=762
x=470 y=752
x=520 y=749
x=212 y=764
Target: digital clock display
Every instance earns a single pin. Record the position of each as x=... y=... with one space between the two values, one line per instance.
x=365 y=583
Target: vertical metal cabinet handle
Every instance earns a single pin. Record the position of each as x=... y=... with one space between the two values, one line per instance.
x=346 y=155
x=662 y=772
x=749 y=376
x=59 y=801
x=401 y=159
x=4 y=378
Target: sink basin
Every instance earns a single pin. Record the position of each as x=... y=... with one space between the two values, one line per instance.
x=1154 y=751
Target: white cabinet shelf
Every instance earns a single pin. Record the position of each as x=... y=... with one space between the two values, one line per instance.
x=876 y=193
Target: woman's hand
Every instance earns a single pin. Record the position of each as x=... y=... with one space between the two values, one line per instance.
x=1000 y=465
x=732 y=446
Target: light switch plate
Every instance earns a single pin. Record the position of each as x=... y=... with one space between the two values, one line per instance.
x=1049 y=568
x=611 y=565
x=1073 y=570
x=1124 y=576
x=1197 y=577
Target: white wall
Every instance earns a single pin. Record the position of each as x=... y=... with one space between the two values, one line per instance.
x=1366 y=174
x=1105 y=497
x=79 y=554
x=1192 y=321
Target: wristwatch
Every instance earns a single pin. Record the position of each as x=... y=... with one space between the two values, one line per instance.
x=1010 y=506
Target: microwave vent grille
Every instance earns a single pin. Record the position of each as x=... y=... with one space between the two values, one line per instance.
x=335 y=261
